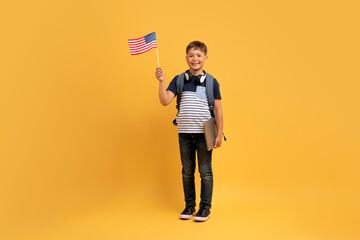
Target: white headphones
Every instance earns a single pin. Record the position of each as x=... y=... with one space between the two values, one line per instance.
x=199 y=79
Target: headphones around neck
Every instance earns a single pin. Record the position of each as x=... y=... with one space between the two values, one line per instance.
x=199 y=79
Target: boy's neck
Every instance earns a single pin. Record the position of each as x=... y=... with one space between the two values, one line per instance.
x=197 y=72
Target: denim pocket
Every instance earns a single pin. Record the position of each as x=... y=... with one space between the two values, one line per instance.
x=200 y=92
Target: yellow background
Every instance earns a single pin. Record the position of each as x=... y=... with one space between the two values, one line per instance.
x=88 y=152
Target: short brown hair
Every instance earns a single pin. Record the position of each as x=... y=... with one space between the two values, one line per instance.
x=197 y=45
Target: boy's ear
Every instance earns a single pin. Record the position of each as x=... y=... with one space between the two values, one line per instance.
x=206 y=57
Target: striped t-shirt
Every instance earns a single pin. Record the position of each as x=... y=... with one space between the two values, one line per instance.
x=194 y=108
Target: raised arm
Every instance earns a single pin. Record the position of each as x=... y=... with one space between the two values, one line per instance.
x=165 y=96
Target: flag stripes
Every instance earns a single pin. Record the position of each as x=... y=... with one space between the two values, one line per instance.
x=143 y=44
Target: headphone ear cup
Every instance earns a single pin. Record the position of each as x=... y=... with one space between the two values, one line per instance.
x=198 y=80
x=202 y=78
x=186 y=76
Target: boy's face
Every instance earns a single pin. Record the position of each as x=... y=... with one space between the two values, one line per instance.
x=196 y=59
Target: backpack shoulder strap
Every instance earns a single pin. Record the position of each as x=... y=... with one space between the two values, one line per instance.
x=210 y=92
x=179 y=86
x=179 y=89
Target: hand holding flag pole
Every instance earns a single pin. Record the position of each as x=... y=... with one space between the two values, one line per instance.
x=144 y=44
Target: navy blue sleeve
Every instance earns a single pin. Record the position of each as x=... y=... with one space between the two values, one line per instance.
x=172 y=86
x=217 y=94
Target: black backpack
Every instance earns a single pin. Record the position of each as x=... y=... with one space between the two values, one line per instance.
x=209 y=92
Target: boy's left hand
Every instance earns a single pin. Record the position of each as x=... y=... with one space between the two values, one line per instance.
x=218 y=141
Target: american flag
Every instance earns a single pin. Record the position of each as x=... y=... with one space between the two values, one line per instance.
x=143 y=44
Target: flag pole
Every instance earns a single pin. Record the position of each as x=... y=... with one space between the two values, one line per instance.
x=157 y=54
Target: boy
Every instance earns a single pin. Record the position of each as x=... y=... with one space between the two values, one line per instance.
x=193 y=112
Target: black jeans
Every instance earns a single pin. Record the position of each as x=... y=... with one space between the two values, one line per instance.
x=190 y=143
